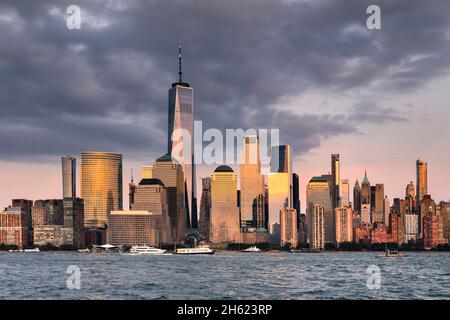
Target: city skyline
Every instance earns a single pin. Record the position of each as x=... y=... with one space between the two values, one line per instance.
x=378 y=132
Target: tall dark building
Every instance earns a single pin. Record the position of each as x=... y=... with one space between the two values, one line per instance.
x=357 y=197
x=335 y=182
x=422 y=186
x=365 y=191
x=74 y=217
x=69 y=167
x=296 y=197
x=181 y=121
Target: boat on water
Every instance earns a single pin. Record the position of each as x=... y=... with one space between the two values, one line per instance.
x=202 y=249
x=15 y=250
x=32 y=250
x=252 y=249
x=392 y=254
x=138 y=250
x=85 y=250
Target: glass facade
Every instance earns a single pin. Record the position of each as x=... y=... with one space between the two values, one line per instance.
x=318 y=193
x=69 y=177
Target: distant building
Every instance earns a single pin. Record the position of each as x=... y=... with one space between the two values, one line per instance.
x=151 y=195
x=335 y=181
x=302 y=230
x=345 y=193
x=365 y=213
x=362 y=233
x=318 y=193
x=288 y=225
x=378 y=233
x=316 y=228
x=344 y=224
x=398 y=216
x=147 y=172
x=357 y=198
x=134 y=227
x=296 y=197
x=410 y=190
x=366 y=195
x=74 y=217
x=224 y=218
x=432 y=224
x=387 y=210
x=255 y=235
x=411 y=227
x=378 y=211
x=69 y=175
x=205 y=209
x=422 y=187
x=101 y=186
x=56 y=235
x=40 y=214
x=13 y=227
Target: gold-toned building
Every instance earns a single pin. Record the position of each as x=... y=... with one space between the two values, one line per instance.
x=344 y=224
x=252 y=185
x=225 y=221
x=421 y=187
x=316 y=229
x=318 y=193
x=101 y=186
x=288 y=224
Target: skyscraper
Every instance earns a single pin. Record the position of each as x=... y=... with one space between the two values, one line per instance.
x=344 y=224
x=357 y=198
x=280 y=183
x=69 y=177
x=365 y=191
x=318 y=193
x=288 y=225
x=316 y=230
x=410 y=190
x=335 y=176
x=345 y=193
x=205 y=209
x=378 y=212
x=422 y=186
x=224 y=218
x=251 y=182
x=101 y=186
x=181 y=138
x=296 y=197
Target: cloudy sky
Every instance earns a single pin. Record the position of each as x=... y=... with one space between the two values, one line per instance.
x=380 y=98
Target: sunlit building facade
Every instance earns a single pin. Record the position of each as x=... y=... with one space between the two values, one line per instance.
x=421 y=186
x=345 y=193
x=335 y=180
x=69 y=175
x=318 y=193
x=316 y=230
x=101 y=186
x=288 y=225
x=344 y=224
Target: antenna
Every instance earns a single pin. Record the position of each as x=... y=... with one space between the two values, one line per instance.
x=179 y=61
x=132 y=175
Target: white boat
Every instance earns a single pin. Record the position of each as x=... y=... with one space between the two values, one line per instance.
x=86 y=250
x=146 y=250
x=203 y=249
x=252 y=249
x=16 y=250
x=392 y=254
x=32 y=250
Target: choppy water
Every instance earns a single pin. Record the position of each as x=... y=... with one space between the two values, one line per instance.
x=224 y=276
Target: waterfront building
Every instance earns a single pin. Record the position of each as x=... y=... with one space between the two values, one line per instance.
x=101 y=186
x=56 y=235
x=181 y=139
x=252 y=185
x=432 y=224
x=362 y=234
x=151 y=195
x=170 y=173
x=357 y=198
x=344 y=224
x=40 y=213
x=443 y=210
x=74 y=217
x=69 y=174
x=14 y=228
x=318 y=193
x=345 y=193
x=205 y=209
x=411 y=227
x=280 y=185
x=316 y=227
x=26 y=206
x=399 y=213
x=225 y=220
x=288 y=226
x=421 y=187
x=335 y=181
x=302 y=230
x=135 y=227
x=378 y=233
x=255 y=235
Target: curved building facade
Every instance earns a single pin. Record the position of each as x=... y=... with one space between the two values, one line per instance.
x=101 y=186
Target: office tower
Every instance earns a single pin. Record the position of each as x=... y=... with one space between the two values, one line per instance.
x=225 y=220
x=74 y=217
x=411 y=227
x=365 y=213
x=288 y=225
x=443 y=209
x=432 y=223
x=316 y=230
x=134 y=227
x=101 y=186
x=296 y=196
x=335 y=176
x=69 y=175
x=146 y=172
x=399 y=212
x=372 y=198
x=251 y=181
x=366 y=191
x=386 y=208
x=318 y=193
x=422 y=186
x=131 y=191
x=266 y=203
x=181 y=146
x=410 y=190
x=56 y=235
x=357 y=198
x=26 y=206
x=14 y=227
x=55 y=209
x=344 y=224
x=378 y=207
x=205 y=209
x=345 y=193
x=151 y=195
x=280 y=184
x=302 y=230
x=170 y=172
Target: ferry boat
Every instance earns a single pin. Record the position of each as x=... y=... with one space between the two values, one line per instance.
x=252 y=249
x=32 y=250
x=203 y=249
x=146 y=250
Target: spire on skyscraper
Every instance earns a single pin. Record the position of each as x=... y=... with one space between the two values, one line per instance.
x=180 y=73
x=366 y=180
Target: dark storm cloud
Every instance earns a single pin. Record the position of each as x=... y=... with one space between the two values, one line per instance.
x=105 y=86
